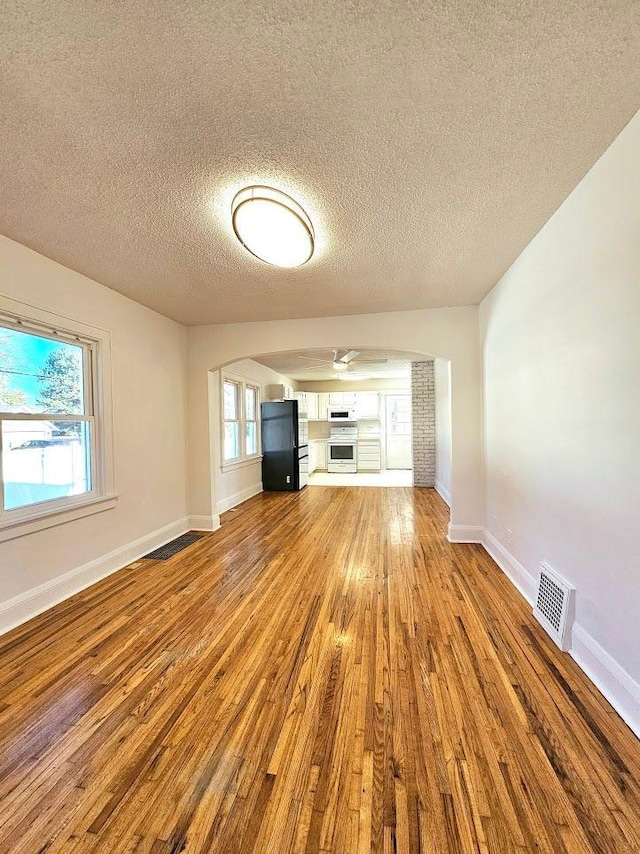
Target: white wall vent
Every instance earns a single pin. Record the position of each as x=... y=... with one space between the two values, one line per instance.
x=554 y=608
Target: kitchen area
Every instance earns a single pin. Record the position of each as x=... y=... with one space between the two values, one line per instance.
x=356 y=437
x=339 y=417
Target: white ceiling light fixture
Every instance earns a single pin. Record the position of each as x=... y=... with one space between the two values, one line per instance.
x=340 y=366
x=272 y=226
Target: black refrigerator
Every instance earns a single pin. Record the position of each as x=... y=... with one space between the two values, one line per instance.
x=285 y=447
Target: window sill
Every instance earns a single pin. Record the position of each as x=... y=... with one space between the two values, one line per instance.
x=240 y=464
x=42 y=519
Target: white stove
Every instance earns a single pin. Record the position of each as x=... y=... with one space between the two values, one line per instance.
x=342 y=448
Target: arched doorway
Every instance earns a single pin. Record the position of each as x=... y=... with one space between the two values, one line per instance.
x=450 y=334
x=355 y=418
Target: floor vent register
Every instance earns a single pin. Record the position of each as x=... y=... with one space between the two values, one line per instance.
x=175 y=546
x=554 y=608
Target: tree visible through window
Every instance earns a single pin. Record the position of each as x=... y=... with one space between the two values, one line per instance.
x=62 y=386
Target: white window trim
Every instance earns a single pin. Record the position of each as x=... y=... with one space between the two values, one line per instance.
x=103 y=496
x=258 y=400
x=240 y=464
x=224 y=421
x=244 y=459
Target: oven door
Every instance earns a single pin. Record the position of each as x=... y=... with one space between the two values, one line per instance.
x=343 y=452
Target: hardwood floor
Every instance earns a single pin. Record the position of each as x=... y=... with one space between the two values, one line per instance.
x=325 y=674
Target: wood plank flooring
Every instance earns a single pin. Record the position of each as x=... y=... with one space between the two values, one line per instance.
x=325 y=674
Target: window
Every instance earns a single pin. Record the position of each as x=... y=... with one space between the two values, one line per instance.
x=251 y=420
x=231 y=408
x=241 y=420
x=399 y=415
x=51 y=459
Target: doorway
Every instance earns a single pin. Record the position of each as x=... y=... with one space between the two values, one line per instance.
x=398 y=431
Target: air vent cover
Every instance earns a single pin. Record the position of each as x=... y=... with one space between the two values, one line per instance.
x=554 y=608
x=172 y=548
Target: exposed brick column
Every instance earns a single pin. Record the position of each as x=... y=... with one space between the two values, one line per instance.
x=423 y=413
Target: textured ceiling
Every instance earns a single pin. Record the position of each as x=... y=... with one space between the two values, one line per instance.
x=429 y=141
x=299 y=365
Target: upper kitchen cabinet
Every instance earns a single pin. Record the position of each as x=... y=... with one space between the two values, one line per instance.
x=312 y=406
x=301 y=397
x=367 y=404
x=315 y=405
x=342 y=398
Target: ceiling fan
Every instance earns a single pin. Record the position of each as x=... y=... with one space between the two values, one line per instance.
x=341 y=363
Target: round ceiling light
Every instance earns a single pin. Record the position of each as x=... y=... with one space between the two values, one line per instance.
x=340 y=366
x=272 y=226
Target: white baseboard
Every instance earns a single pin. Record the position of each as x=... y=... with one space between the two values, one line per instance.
x=26 y=605
x=238 y=497
x=620 y=689
x=465 y=533
x=512 y=568
x=204 y=523
x=443 y=492
x=613 y=682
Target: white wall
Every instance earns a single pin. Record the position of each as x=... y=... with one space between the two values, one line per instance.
x=561 y=351
x=149 y=404
x=449 y=332
x=239 y=483
x=443 y=428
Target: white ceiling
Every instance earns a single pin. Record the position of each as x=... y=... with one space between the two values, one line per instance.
x=315 y=365
x=429 y=141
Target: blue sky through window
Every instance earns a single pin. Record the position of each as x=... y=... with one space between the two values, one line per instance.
x=22 y=358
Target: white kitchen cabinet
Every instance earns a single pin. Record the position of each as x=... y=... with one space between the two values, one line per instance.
x=322 y=405
x=368 y=455
x=321 y=455
x=308 y=403
x=317 y=455
x=312 y=405
x=367 y=404
x=342 y=398
x=301 y=397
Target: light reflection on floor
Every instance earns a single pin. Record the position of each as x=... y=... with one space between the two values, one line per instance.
x=392 y=477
